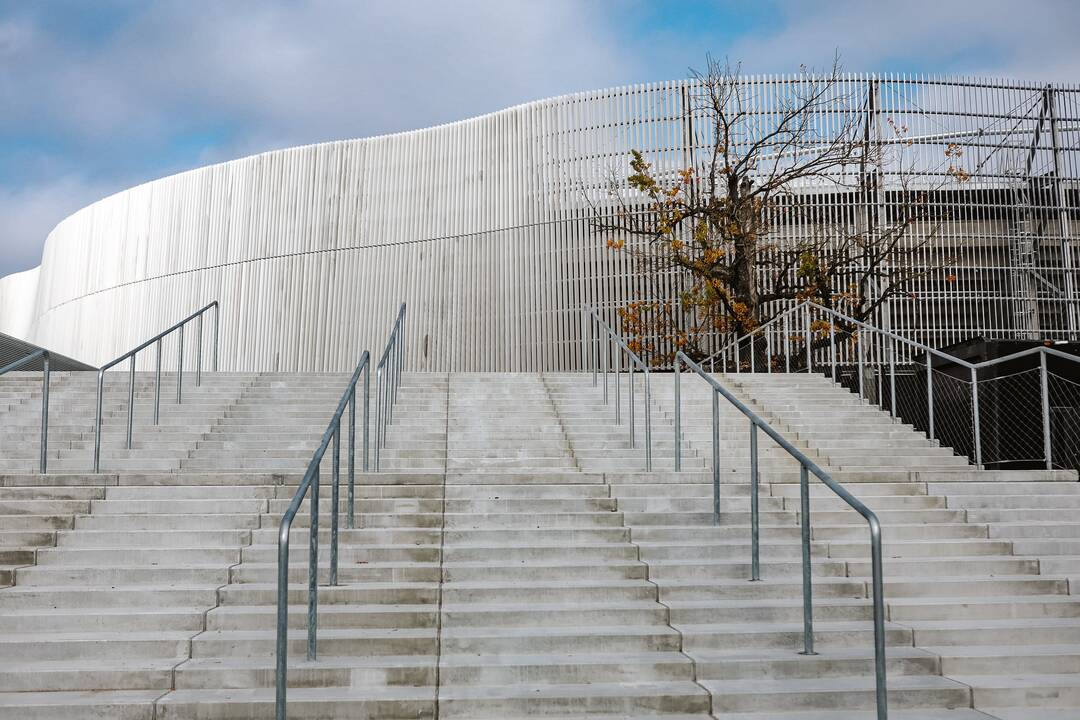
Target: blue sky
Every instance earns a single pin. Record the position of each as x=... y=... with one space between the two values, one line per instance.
x=99 y=95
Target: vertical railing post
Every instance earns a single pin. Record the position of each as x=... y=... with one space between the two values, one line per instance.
x=929 y=395
x=217 y=312
x=313 y=567
x=604 y=361
x=648 y=423
x=180 y=366
x=131 y=400
x=892 y=376
x=878 y=582
x=806 y=333
x=678 y=414
x=1045 y=394
x=787 y=343
x=975 y=422
x=378 y=414
x=630 y=394
x=335 y=498
x=832 y=349
x=716 y=456
x=738 y=356
x=43 y=464
x=860 y=351
x=753 y=353
x=198 y=351
x=157 y=382
x=350 y=521
x=618 y=398
x=808 y=598
x=755 y=558
x=367 y=412
x=97 y=422
x=282 y=644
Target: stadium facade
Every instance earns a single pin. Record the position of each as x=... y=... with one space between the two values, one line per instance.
x=483 y=227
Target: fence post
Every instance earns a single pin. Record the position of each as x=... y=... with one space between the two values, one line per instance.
x=787 y=345
x=45 y=378
x=1047 y=449
x=861 y=352
x=335 y=499
x=975 y=422
x=678 y=415
x=832 y=348
x=157 y=384
x=806 y=330
x=808 y=590
x=755 y=556
x=313 y=568
x=716 y=456
x=131 y=400
x=930 y=394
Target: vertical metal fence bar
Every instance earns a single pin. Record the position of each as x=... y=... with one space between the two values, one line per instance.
x=787 y=343
x=313 y=568
x=367 y=418
x=755 y=528
x=131 y=400
x=217 y=312
x=809 y=340
x=678 y=415
x=46 y=377
x=180 y=365
x=929 y=395
x=1048 y=450
x=604 y=360
x=716 y=456
x=878 y=593
x=198 y=351
x=281 y=650
x=97 y=422
x=892 y=377
x=975 y=419
x=618 y=370
x=808 y=600
x=350 y=521
x=630 y=395
x=648 y=423
x=335 y=499
x=157 y=383
x=832 y=349
x=860 y=363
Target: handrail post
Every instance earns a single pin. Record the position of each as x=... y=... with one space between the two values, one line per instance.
x=755 y=558
x=753 y=353
x=716 y=457
x=131 y=400
x=157 y=384
x=335 y=499
x=832 y=348
x=605 y=361
x=862 y=370
x=350 y=520
x=648 y=424
x=1044 y=382
x=378 y=414
x=892 y=377
x=282 y=644
x=630 y=401
x=367 y=409
x=738 y=356
x=313 y=568
x=787 y=344
x=618 y=395
x=808 y=600
x=180 y=366
x=806 y=330
x=45 y=380
x=97 y=422
x=929 y=396
x=217 y=312
x=975 y=420
x=198 y=351
x=678 y=415
x=877 y=572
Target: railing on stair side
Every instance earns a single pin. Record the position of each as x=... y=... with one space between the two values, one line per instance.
x=387 y=382
x=310 y=482
x=812 y=338
x=806 y=467
x=197 y=318
x=43 y=355
x=596 y=356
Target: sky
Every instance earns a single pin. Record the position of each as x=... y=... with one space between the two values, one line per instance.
x=100 y=95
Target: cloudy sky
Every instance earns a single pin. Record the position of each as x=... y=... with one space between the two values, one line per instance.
x=99 y=95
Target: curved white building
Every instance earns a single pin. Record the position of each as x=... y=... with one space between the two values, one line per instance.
x=482 y=227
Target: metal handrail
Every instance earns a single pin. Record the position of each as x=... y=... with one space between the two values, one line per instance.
x=590 y=317
x=130 y=354
x=973 y=368
x=387 y=381
x=44 y=355
x=806 y=466
x=310 y=481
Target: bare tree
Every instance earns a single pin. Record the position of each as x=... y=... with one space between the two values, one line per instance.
x=787 y=205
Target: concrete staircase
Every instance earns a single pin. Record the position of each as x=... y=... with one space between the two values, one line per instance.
x=514 y=559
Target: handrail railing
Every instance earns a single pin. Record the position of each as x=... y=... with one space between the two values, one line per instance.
x=591 y=318
x=130 y=354
x=806 y=466
x=44 y=355
x=387 y=382
x=310 y=482
x=777 y=338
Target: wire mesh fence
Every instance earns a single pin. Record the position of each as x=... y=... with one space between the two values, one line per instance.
x=1010 y=418
x=1064 y=412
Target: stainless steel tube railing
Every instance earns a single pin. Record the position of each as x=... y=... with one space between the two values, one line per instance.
x=806 y=467
x=44 y=355
x=884 y=343
x=310 y=482
x=196 y=316
x=599 y=355
x=388 y=381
